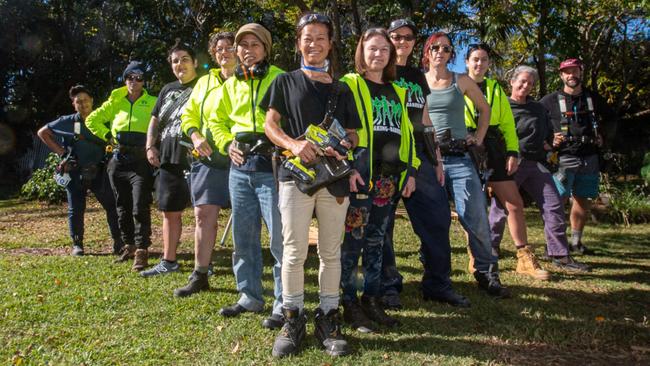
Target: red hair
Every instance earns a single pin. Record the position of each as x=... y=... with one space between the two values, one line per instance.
x=426 y=50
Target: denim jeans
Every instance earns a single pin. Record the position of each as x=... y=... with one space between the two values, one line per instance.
x=254 y=197
x=391 y=279
x=428 y=210
x=365 y=227
x=535 y=179
x=462 y=182
x=132 y=182
x=76 y=193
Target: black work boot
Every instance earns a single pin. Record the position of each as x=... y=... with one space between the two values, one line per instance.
x=356 y=318
x=372 y=307
x=292 y=333
x=490 y=282
x=328 y=332
x=198 y=283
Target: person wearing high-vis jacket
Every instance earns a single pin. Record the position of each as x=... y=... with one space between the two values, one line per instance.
x=385 y=168
x=124 y=119
x=237 y=124
x=502 y=145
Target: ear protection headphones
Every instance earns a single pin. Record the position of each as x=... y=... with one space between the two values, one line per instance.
x=255 y=72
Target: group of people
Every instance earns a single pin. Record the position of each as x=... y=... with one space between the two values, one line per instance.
x=422 y=135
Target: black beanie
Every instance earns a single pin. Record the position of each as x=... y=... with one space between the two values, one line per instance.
x=135 y=67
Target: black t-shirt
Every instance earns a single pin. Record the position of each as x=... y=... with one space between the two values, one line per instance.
x=581 y=126
x=387 y=113
x=412 y=79
x=168 y=109
x=302 y=101
x=533 y=129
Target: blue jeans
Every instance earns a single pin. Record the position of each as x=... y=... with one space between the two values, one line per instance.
x=428 y=210
x=462 y=182
x=76 y=193
x=365 y=227
x=254 y=197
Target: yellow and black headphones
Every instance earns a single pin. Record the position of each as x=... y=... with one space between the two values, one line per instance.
x=255 y=72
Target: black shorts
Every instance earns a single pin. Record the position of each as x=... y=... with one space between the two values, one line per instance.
x=172 y=190
x=495 y=146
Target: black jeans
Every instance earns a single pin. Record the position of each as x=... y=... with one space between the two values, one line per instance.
x=76 y=192
x=132 y=182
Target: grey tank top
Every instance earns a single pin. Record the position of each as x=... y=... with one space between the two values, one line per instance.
x=447 y=110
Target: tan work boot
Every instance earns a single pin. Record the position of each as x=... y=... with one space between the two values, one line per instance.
x=527 y=264
x=141 y=260
x=470 y=264
x=127 y=253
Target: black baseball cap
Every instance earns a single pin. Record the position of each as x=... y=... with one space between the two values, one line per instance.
x=399 y=23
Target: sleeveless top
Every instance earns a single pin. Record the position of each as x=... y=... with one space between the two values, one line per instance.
x=447 y=111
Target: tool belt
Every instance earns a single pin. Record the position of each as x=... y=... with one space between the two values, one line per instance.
x=250 y=143
x=453 y=147
x=131 y=151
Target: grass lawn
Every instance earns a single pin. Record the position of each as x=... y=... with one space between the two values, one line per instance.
x=56 y=309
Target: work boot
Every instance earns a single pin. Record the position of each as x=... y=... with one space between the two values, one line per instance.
x=78 y=250
x=141 y=260
x=292 y=333
x=372 y=308
x=567 y=263
x=356 y=318
x=198 y=283
x=128 y=252
x=117 y=247
x=527 y=265
x=581 y=249
x=327 y=329
x=391 y=302
x=490 y=282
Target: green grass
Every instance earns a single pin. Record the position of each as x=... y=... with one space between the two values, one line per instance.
x=56 y=309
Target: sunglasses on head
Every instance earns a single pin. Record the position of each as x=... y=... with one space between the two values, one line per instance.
x=445 y=49
x=398 y=37
x=135 y=77
x=313 y=18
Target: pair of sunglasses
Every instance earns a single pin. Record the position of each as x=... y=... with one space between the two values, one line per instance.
x=135 y=77
x=313 y=18
x=398 y=37
x=445 y=49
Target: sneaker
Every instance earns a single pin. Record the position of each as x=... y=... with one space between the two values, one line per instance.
x=567 y=263
x=580 y=249
x=490 y=282
x=356 y=318
x=275 y=321
x=234 y=310
x=372 y=308
x=327 y=329
x=128 y=252
x=198 y=283
x=163 y=267
x=292 y=333
x=391 y=302
x=141 y=260
x=77 y=250
x=528 y=265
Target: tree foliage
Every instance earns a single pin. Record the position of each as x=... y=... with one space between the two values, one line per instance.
x=49 y=45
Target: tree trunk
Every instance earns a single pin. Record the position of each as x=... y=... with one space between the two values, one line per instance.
x=541 y=46
x=335 y=59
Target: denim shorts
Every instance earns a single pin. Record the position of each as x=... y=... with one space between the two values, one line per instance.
x=578 y=176
x=209 y=186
